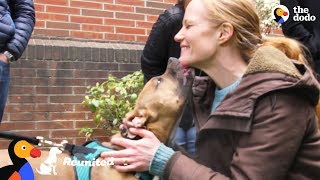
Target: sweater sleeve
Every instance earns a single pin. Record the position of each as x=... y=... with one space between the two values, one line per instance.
x=23 y=16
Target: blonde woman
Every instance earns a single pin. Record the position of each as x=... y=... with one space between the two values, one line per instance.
x=254 y=113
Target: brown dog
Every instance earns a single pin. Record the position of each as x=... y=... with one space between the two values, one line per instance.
x=158 y=107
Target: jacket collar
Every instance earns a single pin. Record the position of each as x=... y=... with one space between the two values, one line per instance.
x=268 y=70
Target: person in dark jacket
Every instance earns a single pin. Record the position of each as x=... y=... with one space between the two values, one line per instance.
x=17 y=19
x=254 y=112
x=307 y=32
x=159 y=47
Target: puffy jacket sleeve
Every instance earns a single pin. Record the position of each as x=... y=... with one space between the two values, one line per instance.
x=155 y=56
x=268 y=152
x=296 y=30
x=23 y=16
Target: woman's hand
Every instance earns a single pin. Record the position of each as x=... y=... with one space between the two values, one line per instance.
x=137 y=154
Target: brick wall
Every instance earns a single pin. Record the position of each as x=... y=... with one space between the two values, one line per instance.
x=75 y=44
x=118 y=20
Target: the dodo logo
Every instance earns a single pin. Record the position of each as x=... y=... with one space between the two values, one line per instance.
x=280 y=14
x=20 y=168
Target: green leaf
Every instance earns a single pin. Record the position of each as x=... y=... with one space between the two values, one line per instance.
x=112 y=99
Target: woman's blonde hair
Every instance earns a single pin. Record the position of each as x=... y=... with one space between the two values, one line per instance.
x=242 y=15
x=292 y=48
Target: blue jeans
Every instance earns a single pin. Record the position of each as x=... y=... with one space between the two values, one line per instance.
x=186 y=139
x=4 y=86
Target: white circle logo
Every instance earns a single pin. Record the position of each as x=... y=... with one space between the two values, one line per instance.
x=280 y=14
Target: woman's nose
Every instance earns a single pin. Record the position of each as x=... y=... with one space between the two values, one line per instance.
x=179 y=36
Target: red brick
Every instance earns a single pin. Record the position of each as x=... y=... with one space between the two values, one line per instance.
x=55 y=2
x=159 y=5
x=122 y=37
x=66 y=99
x=38 y=7
x=67 y=116
x=97 y=28
x=17 y=125
x=171 y=1
x=91 y=74
x=51 y=16
x=88 y=20
x=86 y=4
x=81 y=108
x=62 y=9
x=65 y=133
x=22 y=90
x=144 y=24
x=54 y=90
x=118 y=8
x=105 y=1
x=87 y=35
x=65 y=82
x=143 y=10
x=25 y=72
x=4 y=144
x=54 y=107
x=55 y=125
x=87 y=123
x=133 y=16
x=13 y=107
x=152 y=19
x=97 y=13
x=79 y=90
x=119 y=22
x=28 y=99
x=34 y=133
x=52 y=32
x=142 y=38
x=39 y=24
x=130 y=2
x=125 y=30
x=35 y=116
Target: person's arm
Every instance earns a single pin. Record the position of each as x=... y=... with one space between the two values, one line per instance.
x=23 y=16
x=265 y=153
x=154 y=58
x=296 y=29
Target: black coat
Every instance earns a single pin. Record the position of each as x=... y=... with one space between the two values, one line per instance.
x=160 y=46
x=307 y=32
x=17 y=19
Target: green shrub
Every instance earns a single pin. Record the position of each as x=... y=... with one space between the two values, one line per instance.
x=111 y=100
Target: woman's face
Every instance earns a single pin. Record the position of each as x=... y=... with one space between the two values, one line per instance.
x=198 y=37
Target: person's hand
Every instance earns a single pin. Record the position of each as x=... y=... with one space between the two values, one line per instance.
x=4 y=58
x=137 y=154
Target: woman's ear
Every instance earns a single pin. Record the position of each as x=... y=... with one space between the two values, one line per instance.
x=226 y=32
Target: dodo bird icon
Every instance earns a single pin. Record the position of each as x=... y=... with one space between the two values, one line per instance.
x=19 y=150
x=279 y=14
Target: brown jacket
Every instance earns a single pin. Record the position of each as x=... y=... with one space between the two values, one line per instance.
x=265 y=128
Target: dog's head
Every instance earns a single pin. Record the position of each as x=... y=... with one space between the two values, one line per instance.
x=161 y=101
